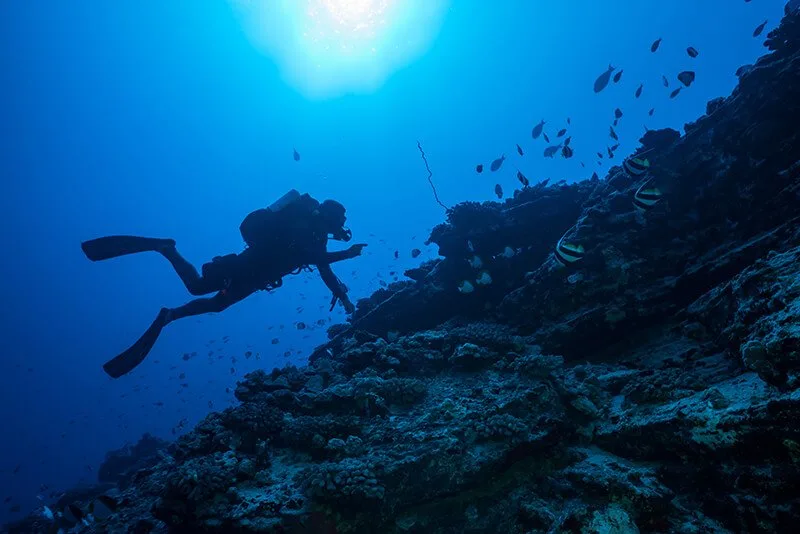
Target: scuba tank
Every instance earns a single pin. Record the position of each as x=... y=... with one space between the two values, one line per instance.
x=284 y=201
x=262 y=227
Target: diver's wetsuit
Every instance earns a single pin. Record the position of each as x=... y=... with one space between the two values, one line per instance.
x=295 y=237
x=305 y=244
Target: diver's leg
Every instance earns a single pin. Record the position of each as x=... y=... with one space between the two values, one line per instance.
x=196 y=284
x=215 y=304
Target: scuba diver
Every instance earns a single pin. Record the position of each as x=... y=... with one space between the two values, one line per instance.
x=285 y=238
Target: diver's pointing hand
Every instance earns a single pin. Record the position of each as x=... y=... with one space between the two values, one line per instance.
x=355 y=250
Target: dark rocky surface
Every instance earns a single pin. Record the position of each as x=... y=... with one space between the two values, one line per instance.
x=655 y=387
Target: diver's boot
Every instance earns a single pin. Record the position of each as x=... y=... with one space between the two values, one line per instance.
x=113 y=246
x=128 y=360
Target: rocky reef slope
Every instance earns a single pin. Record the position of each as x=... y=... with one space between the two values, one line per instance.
x=654 y=387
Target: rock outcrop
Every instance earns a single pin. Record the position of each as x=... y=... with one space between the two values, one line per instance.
x=652 y=387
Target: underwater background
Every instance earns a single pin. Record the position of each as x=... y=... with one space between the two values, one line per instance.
x=176 y=119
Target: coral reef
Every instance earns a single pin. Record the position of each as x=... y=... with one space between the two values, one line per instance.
x=655 y=387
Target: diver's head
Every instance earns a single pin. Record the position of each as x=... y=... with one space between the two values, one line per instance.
x=333 y=219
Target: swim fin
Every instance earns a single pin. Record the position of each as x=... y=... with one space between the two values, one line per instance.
x=128 y=360
x=113 y=246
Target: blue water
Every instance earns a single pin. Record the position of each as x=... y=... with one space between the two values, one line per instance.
x=174 y=119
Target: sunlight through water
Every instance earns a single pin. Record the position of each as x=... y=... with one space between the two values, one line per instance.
x=327 y=48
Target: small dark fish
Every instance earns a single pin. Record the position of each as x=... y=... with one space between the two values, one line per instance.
x=600 y=155
x=610 y=153
x=567 y=151
x=602 y=81
x=479 y=168
x=15 y=509
x=615 y=147
x=233 y=371
x=537 y=130
x=652 y=110
x=498 y=190
x=616 y=121
x=550 y=151
x=8 y=500
x=686 y=77
x=655 y=45
x=759 y=29
x=617 y=113
x=692 y=51
x=301 y=325
x=275 y=341
x=569 y=121
x=415 y=253
x=665 y=81
x=583 y=164
x=296 y=155
x=396 y=254
x=524 y=181
x=618 y=76
x=639 y=91
x=519 y=151
x=496 y=164
x=567 y=141
x=546 y=138
x=674 y=93
x=561 y=132
x=612 y=133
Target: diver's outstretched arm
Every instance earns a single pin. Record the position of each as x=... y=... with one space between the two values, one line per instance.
x=347 y=254
x=337 y=288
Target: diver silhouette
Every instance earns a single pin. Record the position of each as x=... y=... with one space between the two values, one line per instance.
x=285 y=238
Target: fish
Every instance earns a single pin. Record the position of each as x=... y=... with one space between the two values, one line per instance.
x=612 y=133
x=655 y=45
x=665 y=81
x=568 y=253
x=519 y=151
x=498 y=190
x=567 y=141
x=692 y=51
x=496 y=164
x=546 y=138
x=600 y=155
x=610 y=153
x=567 y=151
x=569 y=121
x=479 y=168
x=301 y=325
x=617 y=113
x=636 y=167
x=618 y=76
x=522 y=179
x=550 y=151
x=296 y=155
x=275 y=341
x=638 y=92
x=537 y=130
x=674 y=93
x=396 y=254
x=686 y=77
x=415 y=253
x=484 y=278
x=465 y=287
x=759 y=29
x=509 y=252
x=613 y=148
x=475 y=262
x=602 y=81
x=561 y=132
x=646 y=197
x=652 y=110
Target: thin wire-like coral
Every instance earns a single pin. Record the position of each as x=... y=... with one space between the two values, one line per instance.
x=430 y=175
